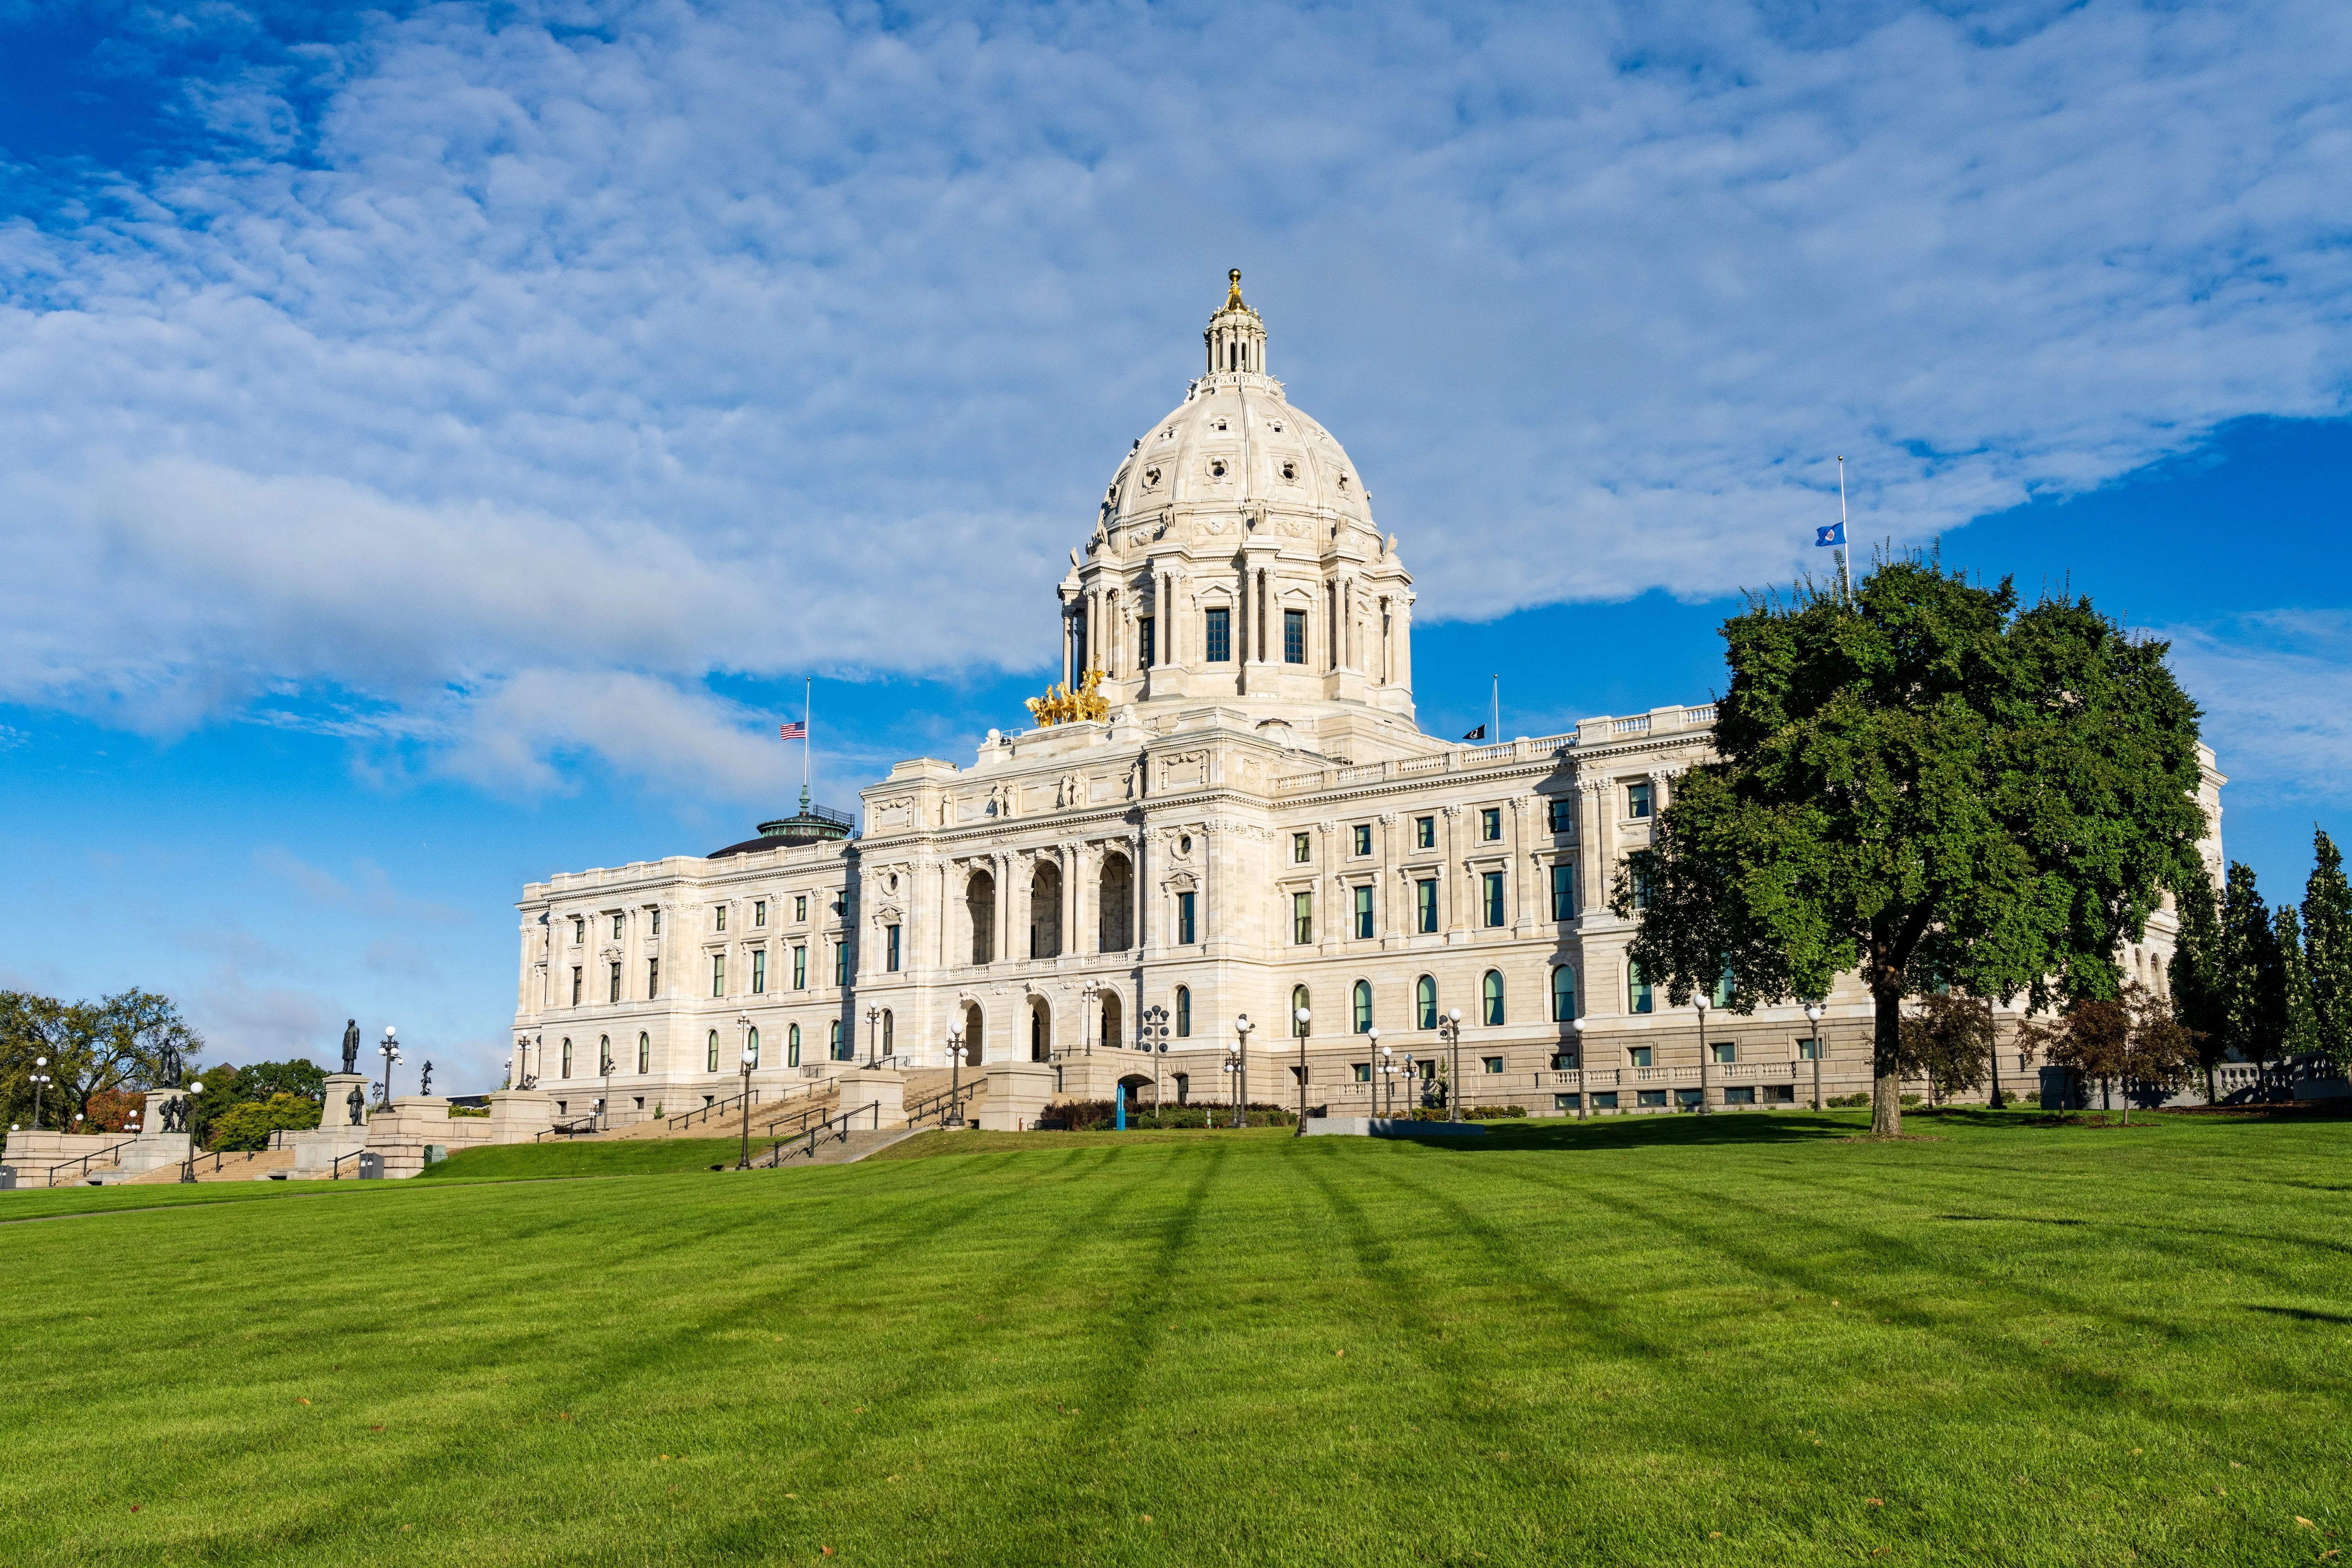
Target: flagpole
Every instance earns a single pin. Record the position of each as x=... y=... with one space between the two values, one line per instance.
x=1495 y=736
x=1844 y=569
x=808 y=712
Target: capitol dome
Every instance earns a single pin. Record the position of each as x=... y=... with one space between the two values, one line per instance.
x=1234 y=557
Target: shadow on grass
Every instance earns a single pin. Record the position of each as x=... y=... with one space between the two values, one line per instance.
x=2300 y=1314
x=1651 y=1131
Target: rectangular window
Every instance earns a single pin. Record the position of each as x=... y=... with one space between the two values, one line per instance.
x=1424 y=900
x=1184 y=906
x=718 y=974
x=1217 y=636
x=1148 y=645
x=800 y=909
x=1424 y=833
x=1493 y=1064
x=890 y=948
x=1641 y=1054
x=1726 y=1053
x=1560 y=814
x=1301 y=849
x=1490 y=825
x=1689 y=1099
x=800 y=969
x=841 y=961
x=612 y=982
x=1364 y=1073
x=1494 y=882
x=1745 y=1096
x=1650 y=1099
x=1363 y=836
x=759 y=913
x=653 y=978
x=1637 y=800
x=1806 y=1049
x=1564 y=1061
x=1563 y=1102
x=1637 y=990
x=1563 y=891
x=578 y=929
x=1302 y=917
x=1363 y=914
x=617 y=928
x=759 y=971
x=1605 y=1101
x=1780 y=1093
x=722 y=918
x=656 y=914
x=575 y=985
x=1294 y=636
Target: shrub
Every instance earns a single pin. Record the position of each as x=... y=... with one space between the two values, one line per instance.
x=1470 y=1112
x=1847 y=1102
x=1101 y=1116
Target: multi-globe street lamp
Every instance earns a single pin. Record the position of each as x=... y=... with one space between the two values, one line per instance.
x=1449 y=1030
x=1813 y=1012
x=751 y=1058
x=954 y=1118
x=1151 y=1033
x=1300 y=1019
x=40 y=1081
x=389 y=1049
x=1240 y=1050
x=1583 y=1098
x=1699 y=1001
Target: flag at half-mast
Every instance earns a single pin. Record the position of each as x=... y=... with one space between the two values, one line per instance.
x=1830 y=536
x=793 y=731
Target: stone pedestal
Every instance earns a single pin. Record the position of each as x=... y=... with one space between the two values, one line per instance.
x=335 y=1110
x=879 y=1087
x=1017 y=1095
x=519 y=1115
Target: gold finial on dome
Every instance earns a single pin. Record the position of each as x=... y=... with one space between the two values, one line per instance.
x=1233 y=294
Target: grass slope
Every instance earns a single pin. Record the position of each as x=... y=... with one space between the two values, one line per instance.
x=1743 y=1340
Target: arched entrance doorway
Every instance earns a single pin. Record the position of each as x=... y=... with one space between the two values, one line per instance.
x=1041 y=1030
x=974 y=1030
x=1045 y=910
x=1113 y=1020
x=980 y=903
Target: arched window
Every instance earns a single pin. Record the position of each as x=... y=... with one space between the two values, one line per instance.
x=1298 y=1003
x=1494 y=995
x=1363 y=1018
x=645 y=1053
x=833 y=1046
x=1424 y=1003
x=604 y=1055
x=889 y=1032
x=752 y=1046
x=792 y=1046
x=1183 y=1012
x=1563 y=995
x=712 y=1066
x=1637 y=990
x=567 y=1056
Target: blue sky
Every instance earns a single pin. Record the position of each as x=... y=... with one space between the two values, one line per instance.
x=437 y=441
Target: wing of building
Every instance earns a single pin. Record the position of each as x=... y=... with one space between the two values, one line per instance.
x=1229 y=812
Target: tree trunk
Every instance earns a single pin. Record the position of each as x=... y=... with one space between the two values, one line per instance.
x=1886 y=1044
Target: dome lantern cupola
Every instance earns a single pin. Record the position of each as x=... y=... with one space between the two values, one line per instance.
x=1236 y=336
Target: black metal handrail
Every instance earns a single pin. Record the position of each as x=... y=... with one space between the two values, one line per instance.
x=940 y=1104
x=335 y=1170
x=832 y=1129
x=686 y=1118
x=815 y=1091
x=50 y=1180
x=800 y=1118
x=578 y=1126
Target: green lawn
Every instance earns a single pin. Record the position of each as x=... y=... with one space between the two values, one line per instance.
x=1742 y=1339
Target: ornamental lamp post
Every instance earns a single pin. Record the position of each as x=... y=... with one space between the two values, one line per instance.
x=604 y=1070
x=749 y=1058
x=954 y=1118
x=1581 y=1097
x=1151 y=1033
x=1699 y=1001
x=1813 y=1012
x=389 y=1049
x=1240 y=1050
x=41 y=1078
x=1449 y=1029
x=1388 y=1081
x=188 y=1168
x=873 y=1034
x=1372 y=1073
x=1301 y=1019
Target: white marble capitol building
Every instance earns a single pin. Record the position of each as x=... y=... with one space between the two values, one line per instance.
x=1255 y=824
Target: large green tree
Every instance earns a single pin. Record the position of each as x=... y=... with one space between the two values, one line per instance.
x=117 y=1043
x=2328 y=952
x=1929 y=785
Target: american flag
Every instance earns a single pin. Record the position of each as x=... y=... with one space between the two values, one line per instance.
x=794 y=732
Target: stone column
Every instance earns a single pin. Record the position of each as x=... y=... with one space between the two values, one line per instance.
x=1457 y=870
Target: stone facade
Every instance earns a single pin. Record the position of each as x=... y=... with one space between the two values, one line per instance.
x=1258 y=821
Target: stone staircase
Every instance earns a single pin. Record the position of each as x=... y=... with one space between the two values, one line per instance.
x=232 y=1166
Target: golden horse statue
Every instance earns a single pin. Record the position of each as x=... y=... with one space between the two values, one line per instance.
x=1060 y=705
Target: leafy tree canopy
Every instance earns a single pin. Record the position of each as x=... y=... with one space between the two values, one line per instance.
x=116 y=1043
x=1924 y=783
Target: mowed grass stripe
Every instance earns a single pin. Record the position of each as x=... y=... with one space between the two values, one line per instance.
x=1598 y=1345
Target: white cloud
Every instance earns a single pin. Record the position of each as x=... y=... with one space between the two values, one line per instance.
x=595 y=350
x=2277 y=694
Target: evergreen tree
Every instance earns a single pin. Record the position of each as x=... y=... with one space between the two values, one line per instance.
x=2298 y=1027
x=2253 y=988
x=2327 y=953
x=2197 y=977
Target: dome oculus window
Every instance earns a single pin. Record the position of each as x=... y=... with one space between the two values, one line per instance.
x=1218 y=424
x=1216 y=468
x=1150 y=479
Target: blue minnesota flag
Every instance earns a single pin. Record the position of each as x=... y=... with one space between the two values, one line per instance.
x=1834 y=535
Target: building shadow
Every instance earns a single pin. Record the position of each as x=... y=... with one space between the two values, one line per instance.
x=1604 y=1133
